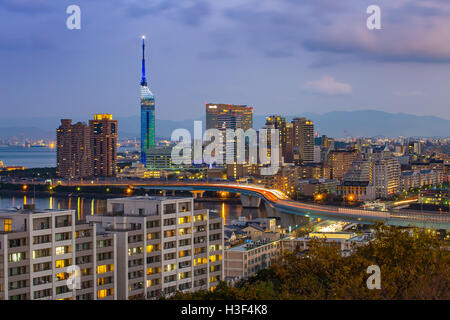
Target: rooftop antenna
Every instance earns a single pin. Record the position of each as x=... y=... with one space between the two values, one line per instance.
x=143 y=80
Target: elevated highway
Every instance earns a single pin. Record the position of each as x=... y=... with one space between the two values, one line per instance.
x=252 y=195
x=279 y=201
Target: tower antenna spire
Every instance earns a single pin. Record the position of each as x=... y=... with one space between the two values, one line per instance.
x=143 y=80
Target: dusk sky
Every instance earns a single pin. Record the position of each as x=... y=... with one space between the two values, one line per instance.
x=279 y=56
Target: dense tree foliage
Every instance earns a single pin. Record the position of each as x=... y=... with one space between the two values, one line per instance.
x=414 y=264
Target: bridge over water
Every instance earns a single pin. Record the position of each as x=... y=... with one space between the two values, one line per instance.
x=252 y=196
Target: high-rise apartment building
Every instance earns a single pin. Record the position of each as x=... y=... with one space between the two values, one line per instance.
x=147 y=113
x=387 y=175
x=73 y=153
x=38 y=248
x=103 y=135
x=164 y=245
x=279 y=123
x=303 y=140
x=227 y=116
x=288 y=153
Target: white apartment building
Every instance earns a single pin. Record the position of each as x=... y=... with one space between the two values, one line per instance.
x=387 y=173
x=163 y=245
x=372 y=176
x=37 y=247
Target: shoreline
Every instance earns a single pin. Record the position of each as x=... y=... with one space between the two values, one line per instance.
x=60 y=194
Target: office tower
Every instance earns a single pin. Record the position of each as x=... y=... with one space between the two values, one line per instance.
x=164 y=245
x=279 y=123
x=227 y=116
x=38 y=249
x=303 y=140
x=73 y=152
x=340 y=162
x=147 y=112
x=103 y=135
x=160 y=159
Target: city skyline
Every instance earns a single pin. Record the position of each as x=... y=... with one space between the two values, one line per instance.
x=227 y=150
x=310 y=67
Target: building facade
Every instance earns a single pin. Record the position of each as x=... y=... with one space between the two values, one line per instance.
x=247 y=259
x=227 y=116
x=340 y=162
x=303 y=140
x=387 y=176
x=164 y=245
x=73 y=153
x=38 y=248
x=103 y=136
x=279 y=123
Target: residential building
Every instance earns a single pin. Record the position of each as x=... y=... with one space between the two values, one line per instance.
x=303 y=140
x=40 y=251
x=164 y=245
x=387 y=173
x=279 y=123
x=73 y=153
x=416 y=179
x=245 y=260
x=103 y=136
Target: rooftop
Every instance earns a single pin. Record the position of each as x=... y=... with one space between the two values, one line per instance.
x=251 y=245
x=152 y=198
x=30 y=211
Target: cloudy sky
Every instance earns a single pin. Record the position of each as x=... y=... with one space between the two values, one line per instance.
x=279 y=56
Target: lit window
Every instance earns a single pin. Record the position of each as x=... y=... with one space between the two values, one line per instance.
x=102 y=293
x=60 y=250
x=60 y=263
x=7 y=225
x=105 y=268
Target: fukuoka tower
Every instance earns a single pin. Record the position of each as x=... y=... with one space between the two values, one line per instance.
x=147 y=112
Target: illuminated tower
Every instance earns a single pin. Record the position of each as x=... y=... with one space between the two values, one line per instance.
x=147 y=112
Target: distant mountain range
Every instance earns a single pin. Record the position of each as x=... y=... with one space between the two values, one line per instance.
x=365 y=123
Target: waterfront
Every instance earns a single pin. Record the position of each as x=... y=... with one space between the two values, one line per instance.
x=28 y=157
x=84 y=206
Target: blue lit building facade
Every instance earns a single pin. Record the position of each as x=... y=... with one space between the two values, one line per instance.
x=147 y=113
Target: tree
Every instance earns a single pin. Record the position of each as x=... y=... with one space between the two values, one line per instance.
x=414 y=264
